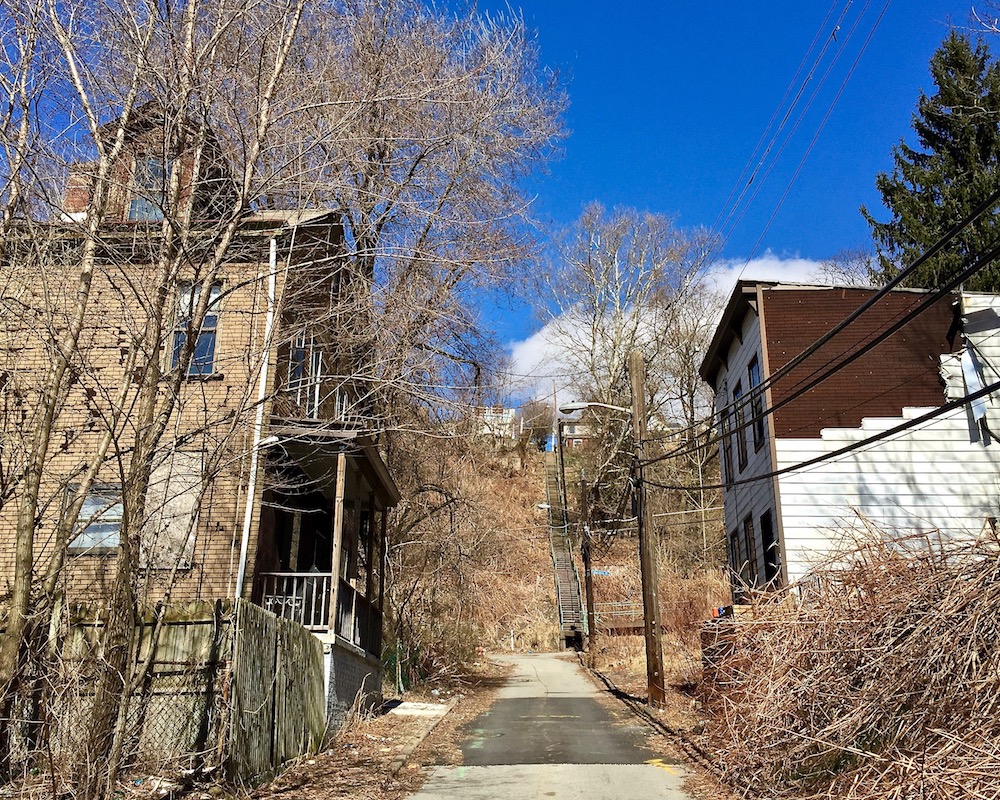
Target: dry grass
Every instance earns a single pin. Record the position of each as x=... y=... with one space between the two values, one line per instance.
x=884 y=684
x=686 y=599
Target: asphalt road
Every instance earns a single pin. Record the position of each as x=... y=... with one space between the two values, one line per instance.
x=548 y=736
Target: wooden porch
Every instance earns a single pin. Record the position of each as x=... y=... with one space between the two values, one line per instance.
x=306 y=598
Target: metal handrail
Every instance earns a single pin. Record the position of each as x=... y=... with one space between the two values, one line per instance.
x=561 y=528
x=303 y=597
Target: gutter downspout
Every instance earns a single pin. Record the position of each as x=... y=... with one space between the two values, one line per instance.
x=258 y=426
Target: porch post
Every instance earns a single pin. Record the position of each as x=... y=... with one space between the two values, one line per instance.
x=381 y=578
x=370 y=550
x=381 y=561
x=338 y=538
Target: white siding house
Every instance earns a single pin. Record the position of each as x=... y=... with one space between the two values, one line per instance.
x=939 y=476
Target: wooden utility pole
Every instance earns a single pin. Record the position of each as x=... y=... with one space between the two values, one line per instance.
x=588 y=576
x=647 y=551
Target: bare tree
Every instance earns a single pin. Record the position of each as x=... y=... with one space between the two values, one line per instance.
x=851 y=267
x=427 y=126
x=625 y=280
x=416 y=125
x=537 y=421
x=618 y=282
x=181 y=83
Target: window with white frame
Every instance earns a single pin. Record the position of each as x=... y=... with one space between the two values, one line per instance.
x=203 y=357
x=305 y=373
x=98 y=527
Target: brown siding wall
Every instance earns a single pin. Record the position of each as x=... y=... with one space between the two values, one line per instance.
x=902 y=371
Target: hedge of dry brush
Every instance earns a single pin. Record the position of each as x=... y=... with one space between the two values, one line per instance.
x=883 y=683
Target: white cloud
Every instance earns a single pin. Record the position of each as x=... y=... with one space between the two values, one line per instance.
x=535 y=364
x=767 y=267
x=535 y=361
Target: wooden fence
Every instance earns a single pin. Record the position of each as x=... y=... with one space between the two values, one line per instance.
x=229 y=685
x=278 y=708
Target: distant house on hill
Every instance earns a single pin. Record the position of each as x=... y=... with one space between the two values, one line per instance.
x=932 y=469
x=495 y=422
x=577 y=433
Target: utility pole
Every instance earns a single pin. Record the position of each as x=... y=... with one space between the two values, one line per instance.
x=588 y=576
x=647 y=551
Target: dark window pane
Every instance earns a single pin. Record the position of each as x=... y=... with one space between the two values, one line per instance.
x=204 y=353
x=179 y=338
x=99 y=523
x=149 y=188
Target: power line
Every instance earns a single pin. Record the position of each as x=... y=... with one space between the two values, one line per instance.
x=798 y=121
x=720 y=224
x=826 y=118
x=905 y=426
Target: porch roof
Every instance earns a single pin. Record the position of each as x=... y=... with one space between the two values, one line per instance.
x=308 y=441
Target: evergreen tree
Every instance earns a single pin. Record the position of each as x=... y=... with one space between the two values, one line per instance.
x=956 y=166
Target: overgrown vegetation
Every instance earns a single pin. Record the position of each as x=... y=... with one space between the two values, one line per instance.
x=687 y=595
x=469 y=557
x=880 y=684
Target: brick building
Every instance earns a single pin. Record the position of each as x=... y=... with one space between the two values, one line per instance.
x=262 y=484
x=938 y=476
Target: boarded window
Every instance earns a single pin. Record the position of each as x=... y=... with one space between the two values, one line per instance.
x=171 y=511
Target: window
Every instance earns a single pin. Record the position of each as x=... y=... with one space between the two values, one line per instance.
x=149 y=188
x=740 y=429
x=98 y=528
x=748 y=566
x=203 y=359
x=727 y=447
x=769 y=542
x=167 y=537
x=305 y=373
x=756 y=404
x=734 y=552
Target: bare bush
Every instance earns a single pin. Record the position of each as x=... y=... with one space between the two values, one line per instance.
x=882 y=685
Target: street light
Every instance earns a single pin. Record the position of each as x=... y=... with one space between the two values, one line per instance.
x=572 y=408
x=647 y=553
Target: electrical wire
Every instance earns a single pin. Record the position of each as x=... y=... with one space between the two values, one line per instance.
x=798 y=121
x=719 y=223
x=822 y=124
x=886 y=434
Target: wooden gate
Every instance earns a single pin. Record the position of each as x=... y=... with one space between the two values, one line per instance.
x=278 y=702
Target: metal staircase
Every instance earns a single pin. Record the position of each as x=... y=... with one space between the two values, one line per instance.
x=572 y=619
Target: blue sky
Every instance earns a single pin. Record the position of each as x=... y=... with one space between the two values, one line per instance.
x=669 y=100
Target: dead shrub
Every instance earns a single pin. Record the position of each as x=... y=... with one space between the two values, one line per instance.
x=686 y=598
x=882 y=684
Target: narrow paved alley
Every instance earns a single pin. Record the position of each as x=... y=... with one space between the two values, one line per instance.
x=550 y=736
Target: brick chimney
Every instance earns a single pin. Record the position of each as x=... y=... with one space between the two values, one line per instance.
x=79 y=188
